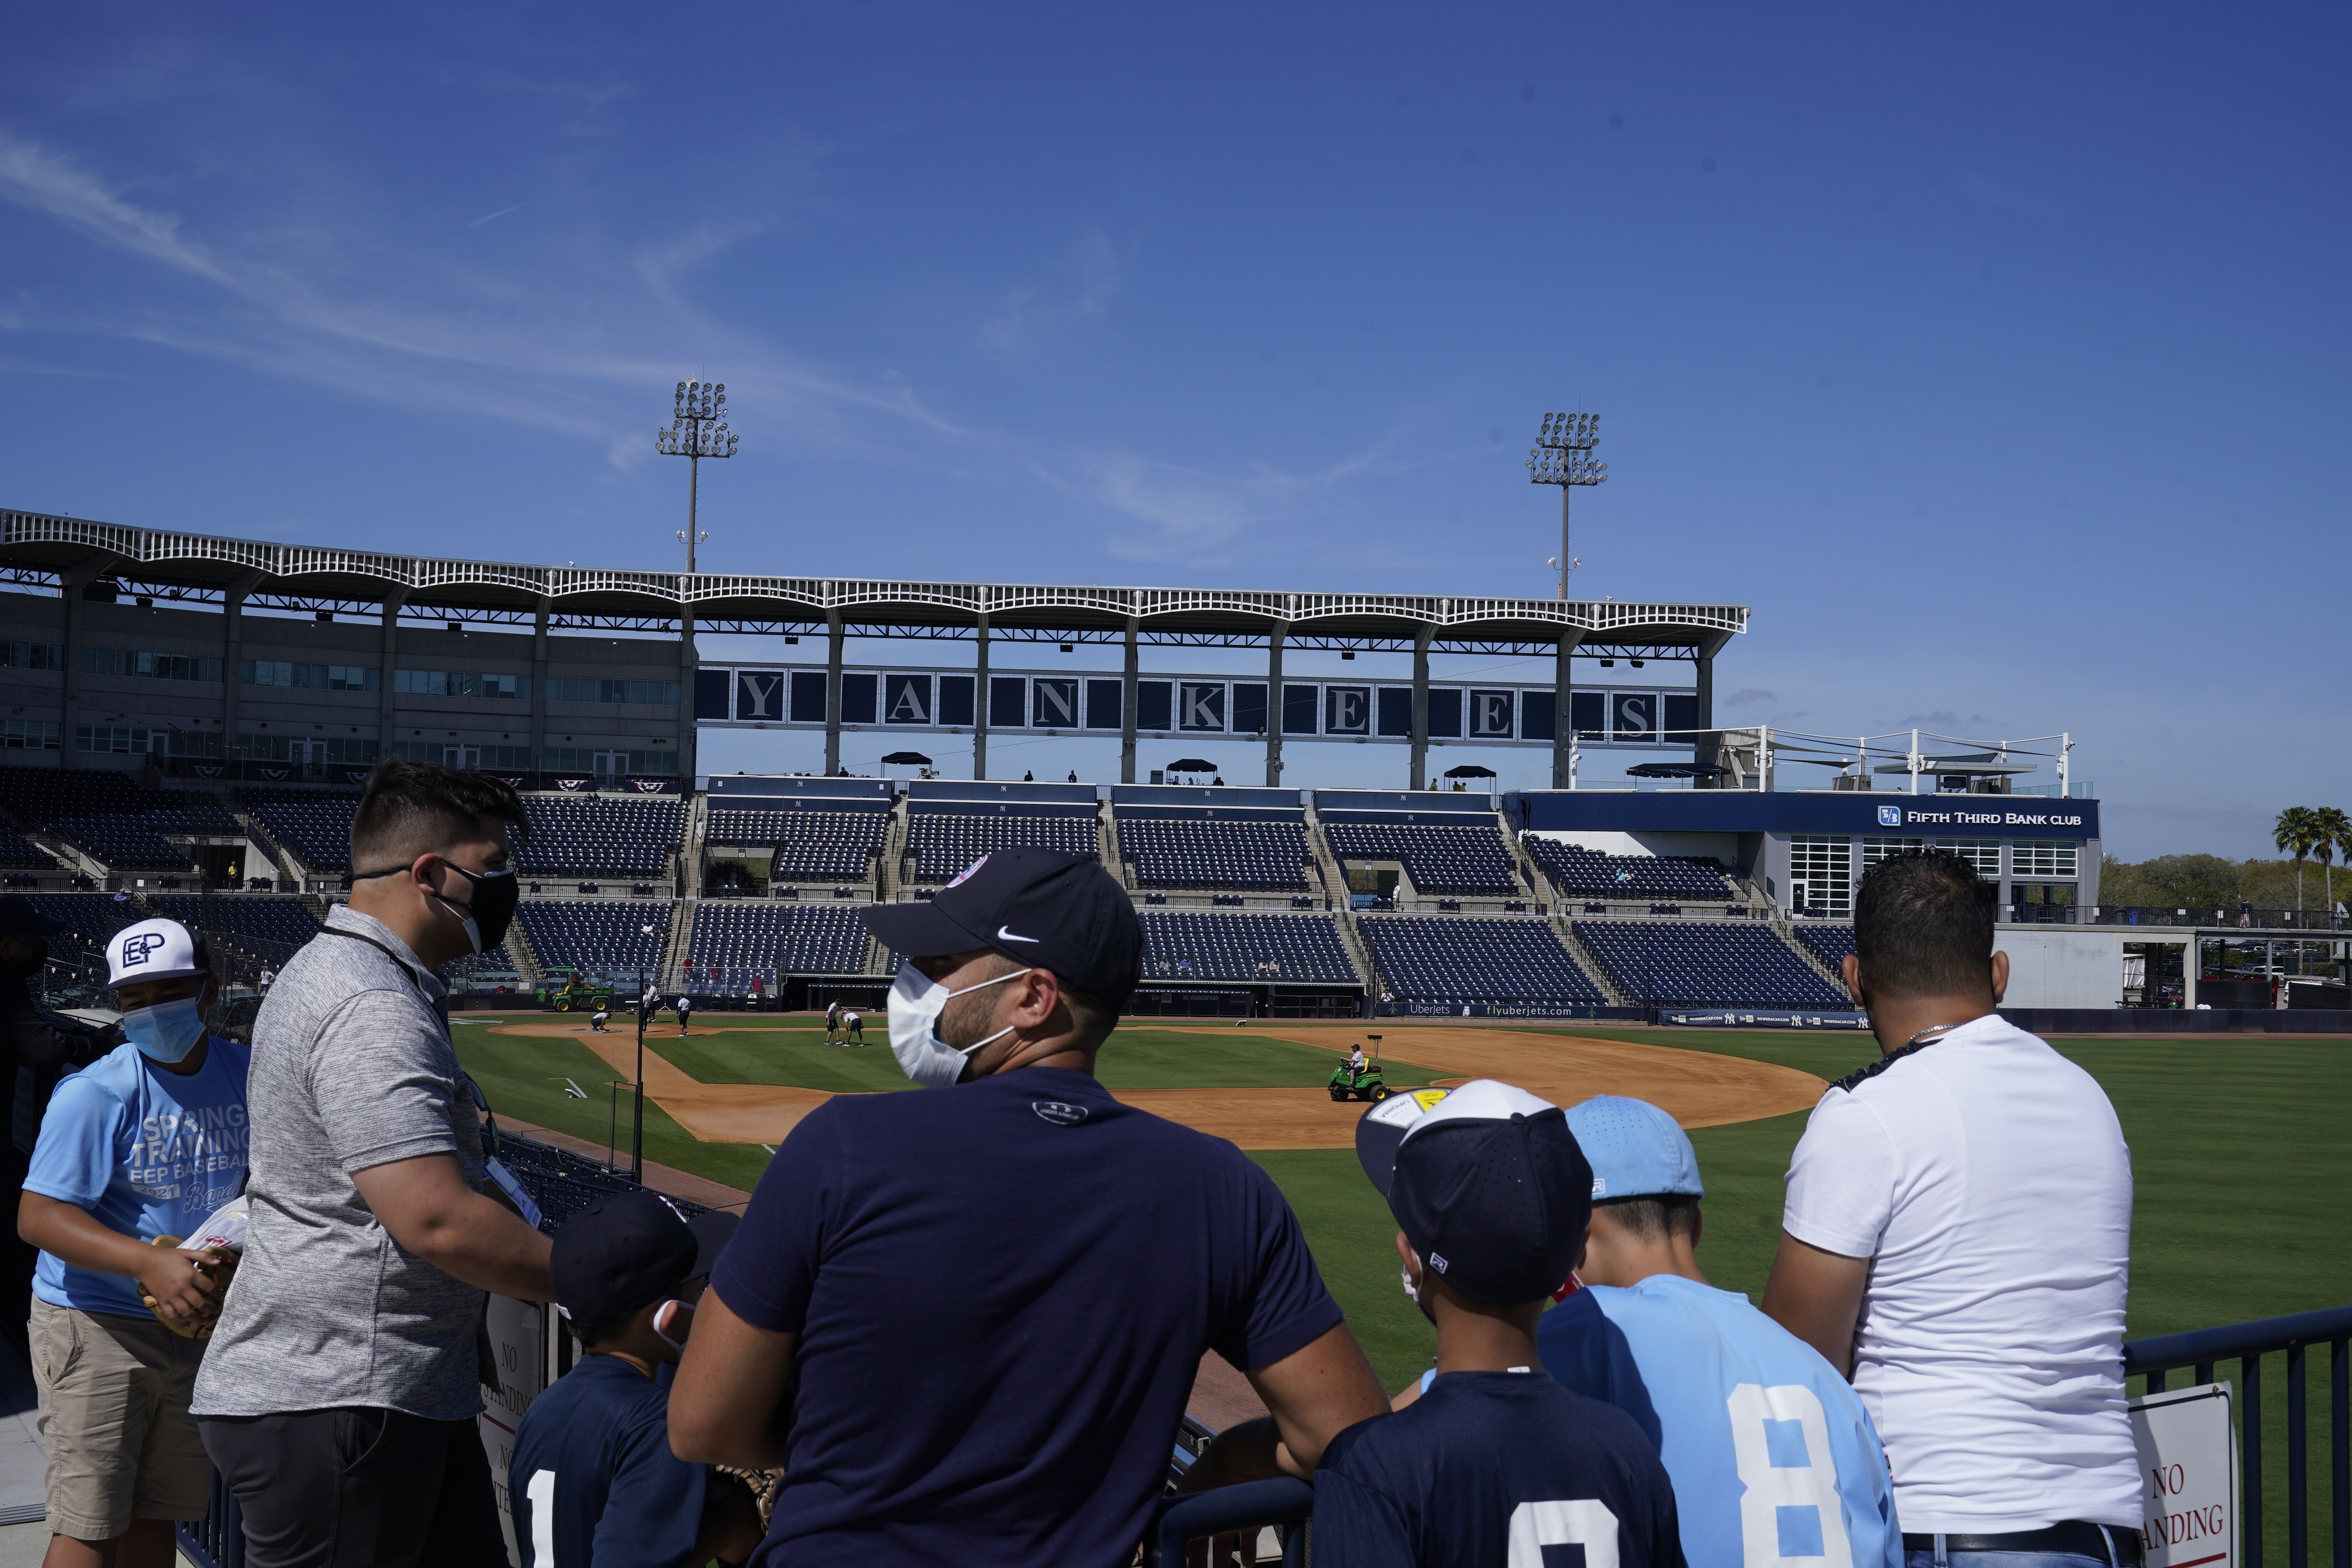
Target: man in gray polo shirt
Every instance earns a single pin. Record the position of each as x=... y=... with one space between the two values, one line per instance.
x=339 y=1392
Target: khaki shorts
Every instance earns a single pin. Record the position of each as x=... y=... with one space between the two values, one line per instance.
x=114 y=1420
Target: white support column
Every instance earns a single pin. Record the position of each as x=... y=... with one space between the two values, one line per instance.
x=1127 y=707
x=1274 y=709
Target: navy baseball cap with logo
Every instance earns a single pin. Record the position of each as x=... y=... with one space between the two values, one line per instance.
x=621 y=1254
x=1037 y=907
x=1488 y=1183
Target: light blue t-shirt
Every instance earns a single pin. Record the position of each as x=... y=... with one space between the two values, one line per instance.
x=1772 y=1456
x=147 y=1151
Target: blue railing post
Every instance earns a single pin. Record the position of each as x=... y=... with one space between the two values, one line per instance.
x=2339 y=1446
x=2249 y=1457
x=2298 y=1455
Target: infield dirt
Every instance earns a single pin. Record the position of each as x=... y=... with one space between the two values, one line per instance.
x=1699 y=1088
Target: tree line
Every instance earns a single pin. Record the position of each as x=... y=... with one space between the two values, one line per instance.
x=2208 y=881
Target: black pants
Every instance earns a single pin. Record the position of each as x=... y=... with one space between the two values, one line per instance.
x=359 y=1486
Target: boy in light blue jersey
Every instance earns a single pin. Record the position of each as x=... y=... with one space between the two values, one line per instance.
x=1774 y=1460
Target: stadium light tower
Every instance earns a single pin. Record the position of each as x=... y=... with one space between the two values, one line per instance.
x=698 y=429
x=1563 y=456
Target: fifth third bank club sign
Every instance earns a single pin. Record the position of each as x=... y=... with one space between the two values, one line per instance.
x=2187 y=1478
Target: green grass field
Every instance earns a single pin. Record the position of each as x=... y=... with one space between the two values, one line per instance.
x=2238 y=1160
x=1135 y=1058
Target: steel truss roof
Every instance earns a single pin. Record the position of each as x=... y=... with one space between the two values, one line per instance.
x=36 y=547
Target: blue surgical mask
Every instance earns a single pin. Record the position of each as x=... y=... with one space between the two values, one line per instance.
x=168 y=1031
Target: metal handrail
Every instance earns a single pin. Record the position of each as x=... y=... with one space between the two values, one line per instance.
x=2247 y=1343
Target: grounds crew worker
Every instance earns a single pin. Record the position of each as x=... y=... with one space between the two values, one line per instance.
x=1094 y=1250
x=1955 y=1238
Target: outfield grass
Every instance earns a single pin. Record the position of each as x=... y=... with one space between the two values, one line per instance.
x=524 y=1078
x=1133 y=1059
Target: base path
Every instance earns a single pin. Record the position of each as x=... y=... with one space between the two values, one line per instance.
x=1699 y=1088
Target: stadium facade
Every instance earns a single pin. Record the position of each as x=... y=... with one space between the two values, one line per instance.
x=185 y=717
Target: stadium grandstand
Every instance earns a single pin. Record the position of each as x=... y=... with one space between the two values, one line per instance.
x=1706 y=963
x=1443 y=960
x=950 y=824
x=197 y=712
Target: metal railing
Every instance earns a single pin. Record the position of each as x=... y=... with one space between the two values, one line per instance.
x=2247 y=1343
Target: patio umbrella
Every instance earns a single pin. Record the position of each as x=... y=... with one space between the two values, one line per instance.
x=1469 y=771
x=906 y=760
x=1192 y=765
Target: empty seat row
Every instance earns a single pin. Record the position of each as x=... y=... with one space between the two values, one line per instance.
x=1187 y=944
x=944 y=843
x=578 y=835
x=816 y=845
x=609 y=938
x=111 y=817
x=1424 y=958
x=1830 y=943
x=1197 y=850
x=733 y=942
x=314 y=825
x=1705 y=964
x=1437 y=858
x=272 y=921
x=1576 y=871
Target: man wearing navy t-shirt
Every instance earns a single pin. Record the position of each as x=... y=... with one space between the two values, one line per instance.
x=1496 y=1461
x=965 y=1323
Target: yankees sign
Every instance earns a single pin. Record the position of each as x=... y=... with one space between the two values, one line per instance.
x=1053 y=704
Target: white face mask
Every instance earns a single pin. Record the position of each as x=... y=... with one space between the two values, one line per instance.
x=916 y=1001
x=1410 y=1289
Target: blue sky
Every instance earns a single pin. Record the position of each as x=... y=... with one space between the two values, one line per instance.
x=1996 y=356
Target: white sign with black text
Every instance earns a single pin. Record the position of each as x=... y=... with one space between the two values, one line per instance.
x=2188 y=1477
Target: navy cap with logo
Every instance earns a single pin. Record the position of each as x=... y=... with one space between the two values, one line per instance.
x=1037 y=907
x=1488 y=1183
x=621 y=1254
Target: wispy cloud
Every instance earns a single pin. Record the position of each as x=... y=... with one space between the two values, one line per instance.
x=1751 y=694
x=34 y=176
x=493 y=218
x=1091 y=278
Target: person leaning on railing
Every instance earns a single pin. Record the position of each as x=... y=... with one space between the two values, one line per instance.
x=339 y=1395
x=989 y=1300
x=1956 y=1239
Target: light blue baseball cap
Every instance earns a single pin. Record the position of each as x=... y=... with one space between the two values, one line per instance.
x=1636 y=1150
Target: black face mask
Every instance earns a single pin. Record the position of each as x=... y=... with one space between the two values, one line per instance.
x=491 y=910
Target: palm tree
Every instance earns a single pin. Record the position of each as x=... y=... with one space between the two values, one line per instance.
x=2335 y=838
x=2297 y=832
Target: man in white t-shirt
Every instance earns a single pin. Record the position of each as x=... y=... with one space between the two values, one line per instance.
x=1956 y=1239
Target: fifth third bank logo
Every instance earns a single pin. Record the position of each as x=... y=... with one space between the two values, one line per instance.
x=1890 y=817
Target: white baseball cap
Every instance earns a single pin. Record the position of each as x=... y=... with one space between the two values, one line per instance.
x=159 y=948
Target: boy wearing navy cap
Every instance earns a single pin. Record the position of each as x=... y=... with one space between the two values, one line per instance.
x=593 y=1479
x=1497 y=1460
x=1772 y=1452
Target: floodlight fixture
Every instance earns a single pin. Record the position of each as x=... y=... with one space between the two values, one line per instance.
x=1563 y=456
x=698 y=429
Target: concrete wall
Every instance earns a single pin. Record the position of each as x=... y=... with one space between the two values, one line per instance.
x=2061 y=966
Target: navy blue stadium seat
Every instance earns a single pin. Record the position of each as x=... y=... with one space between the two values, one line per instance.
x=582 y=835
x=283 y=922
x=1248 y=852
x=1830 y=943
x=314 y=825
x=812 y=844
x=1438 y=857
x=1705 y=964
x=1188 y=944
x=743 y=939
x=1578 y=872
x=605 y=937
x=949 y=835
x=1431 y=958
x=111 y=817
